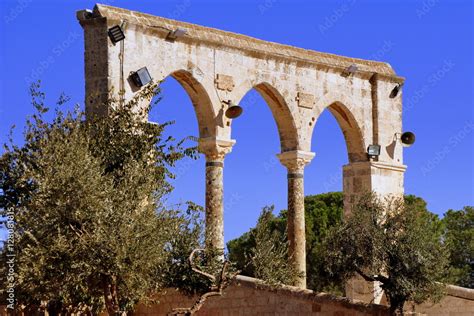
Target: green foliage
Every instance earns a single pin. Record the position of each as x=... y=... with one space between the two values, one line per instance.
x=322 y=212
x=239 y=250
x=90 y=225
x=269 y=257
x=459 y=237
x=392 y=242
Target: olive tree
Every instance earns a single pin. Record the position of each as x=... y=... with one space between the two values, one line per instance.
x=392 y=242
x=90 y=226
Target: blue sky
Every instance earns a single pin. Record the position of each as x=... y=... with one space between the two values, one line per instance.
x=429 y=42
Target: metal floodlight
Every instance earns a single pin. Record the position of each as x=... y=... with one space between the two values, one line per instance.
x=140 y=77
x=352 y=69
x=373 y=151
x=234 y=110
x=173 y=35
x=116 y=34
x=395 y=91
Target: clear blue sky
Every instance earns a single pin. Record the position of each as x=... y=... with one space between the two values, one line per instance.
x=429 y=42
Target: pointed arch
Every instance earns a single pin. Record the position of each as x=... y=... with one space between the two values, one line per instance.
x=281 y=112
x=353 y=135
x=200 y=99
x=351 y=131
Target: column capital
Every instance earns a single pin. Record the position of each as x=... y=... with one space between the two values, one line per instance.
x=295 y=160
x=215 y=148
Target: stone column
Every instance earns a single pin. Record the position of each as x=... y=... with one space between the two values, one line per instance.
x=215 y=150
x=295 y=161
x=384 y=179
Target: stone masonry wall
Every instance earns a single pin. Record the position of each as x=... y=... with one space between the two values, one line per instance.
x=459 y=301
x=249 y=296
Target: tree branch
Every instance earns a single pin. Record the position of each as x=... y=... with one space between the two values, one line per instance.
x=365 y=276
x=215 y=290
x=193 y=266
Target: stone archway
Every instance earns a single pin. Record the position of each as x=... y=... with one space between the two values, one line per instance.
x=281 y=112
x=297 y=84
x=201 y=101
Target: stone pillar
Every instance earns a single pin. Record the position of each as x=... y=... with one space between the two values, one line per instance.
x=215 y=150
x=295 y=161
x=371 y=176
x=359 y=178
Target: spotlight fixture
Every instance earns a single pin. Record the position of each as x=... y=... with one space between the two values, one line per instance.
x=352 y=69
x=408 y=139
x=395 y=91
x=233 y=111
x=116 y=34
x=173 y=35
x=373 y=151
x=140 y=77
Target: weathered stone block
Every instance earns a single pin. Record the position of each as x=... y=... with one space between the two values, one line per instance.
x=225 y=82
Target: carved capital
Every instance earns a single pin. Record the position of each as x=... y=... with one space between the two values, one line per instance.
x=295 y=160
x=215 y=149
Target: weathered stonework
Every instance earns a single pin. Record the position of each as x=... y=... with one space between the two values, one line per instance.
x=305 y=100
x=215 y=151
x=297 y=85
x=225 y=82
x=295 y=161
x=249 y=296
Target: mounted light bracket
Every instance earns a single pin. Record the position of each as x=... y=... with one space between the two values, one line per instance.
x=141 y=77
x=116 y=34
x=173 y=35
x=352 y=69
x=373 y=151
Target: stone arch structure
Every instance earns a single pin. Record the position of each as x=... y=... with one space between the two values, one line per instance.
x=355 y=144
x=298 y=84
x=281 y=112
x=201 y=101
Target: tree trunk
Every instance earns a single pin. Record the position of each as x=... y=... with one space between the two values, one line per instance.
x=396 y=306
x=54 y=307
x=109 y=285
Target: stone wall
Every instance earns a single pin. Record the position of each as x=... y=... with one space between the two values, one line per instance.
x=459 y=301
x=249 y=296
